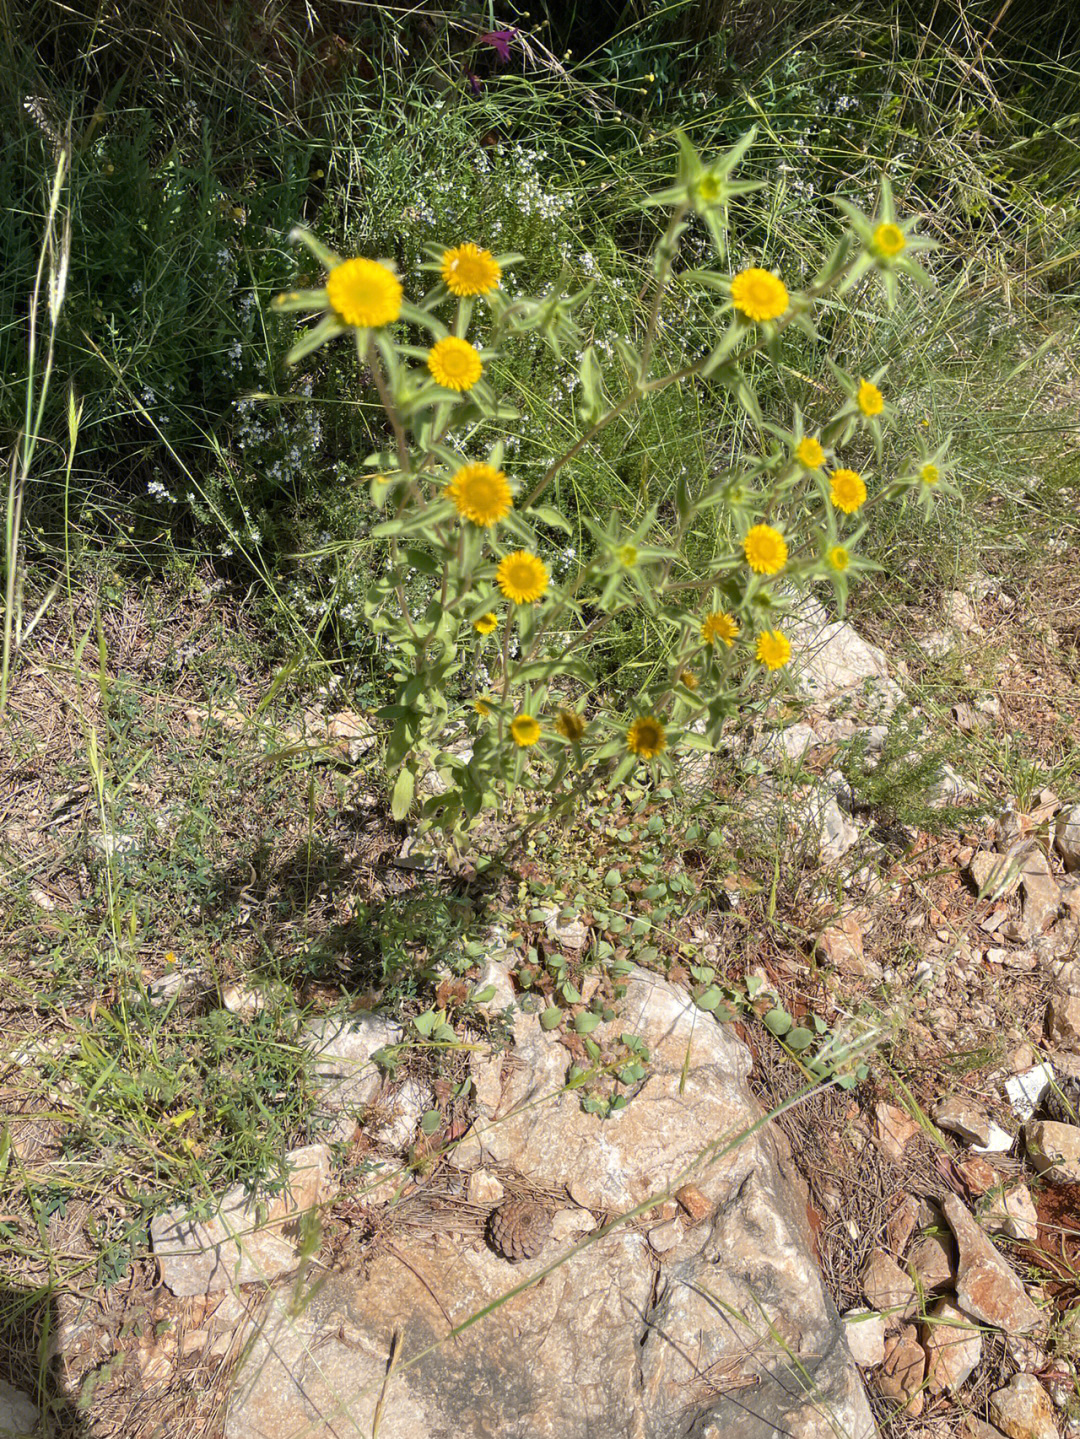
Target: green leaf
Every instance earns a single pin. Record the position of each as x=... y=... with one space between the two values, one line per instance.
x=548 y=515
x=402 y=798
x=551 y=1018
x=430 y=1121
x=778 y=1021
x=799 y=1038
x=485 y=995
x=586 y=1022
x=710 y=999
x=425 y=1023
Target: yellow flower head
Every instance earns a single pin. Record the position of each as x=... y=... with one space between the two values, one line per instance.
x=482 y=708
x=719 y=626
x=570 y=725
x=486 y=623
x=522 y=577
x=765 y=550
x=524 y=730
x=929 y=474
x=364 y=293
x=889 y=240
x=759 y=295
x=454 y=364
x=689 y=679
x=869 y=399
x=627 y=555
x=839 y=558
x=646 y=737
x=773 y=649
x=468 y=270
x=808 y=452
x=480 y=494
x=847 y=490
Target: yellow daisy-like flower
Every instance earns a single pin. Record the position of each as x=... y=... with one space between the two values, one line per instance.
x=889 y=240
x=570 y=725
x=468 y=270
x=364 y=293
x=480 y=493
x=522 y=577
x=646 y=737
x=765 y=550
x=759 y=295
x=839 y=558
x=808 y=452
x=524 y=730
x=929 y=474
x=869 y=399
x=719 y=626
x=847 y=490
x=627 y=555
x=689 y=679
x=486 y=623
x=454 y=364
x=482 y=708
x=773 y=649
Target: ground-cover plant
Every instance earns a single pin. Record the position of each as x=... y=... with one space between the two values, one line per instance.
x=467 y=600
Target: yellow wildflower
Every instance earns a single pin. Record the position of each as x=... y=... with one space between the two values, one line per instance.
x=869 y=399
x=765 y=550
x=889 y=240
x=759 y=295
x=839 y=558
x=364 y=293
x=773 y=649
x=468 y=270
x=480 y=494
x=627 y=555
x=570 y=725
x=809 y=453
x=689 y=679
x=482 y=708
x=522 y=577
x=454 y=364
x=847 y=490
x=646 y=737
x=524 y=730
x=486 y=623
x=929 y=474
x=719 y=626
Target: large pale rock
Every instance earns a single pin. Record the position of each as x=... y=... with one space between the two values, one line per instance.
x=986 y=1288
x=1012 y=1212
x=18 y=1413
x=830 y=658
x=1023 y=1410
x=889 y=1290
x=247 y=1238
x=1054 y=1149
x=617 y=1340
x=866 y=1337
x=960 y=1116
x=1063 y=1020
x=1042 y=894
x=1067 y=837
x=901 y=1376
x=343 y=1065
x=953 y=1347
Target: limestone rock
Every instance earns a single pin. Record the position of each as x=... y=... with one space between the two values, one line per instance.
x=830 y=658
x=1023 y=1410
x=1042 y=894
x=901 y=1376
x=889 y=1290
x=953 y=1347
x=1063 y=1021
x=959 y=613
x=842 y=947
x=343 y=1060
x=960 y=1116
x=893 y=1129
x=1054 y=1149
x=1067 y=837
x=933 y=1261
x=401 y=1113
x=1012 y=1212
x=986 y=1288
x=18 y=1413
x=247 y=1238
x=996 y=876
x=865 y=1332
x=482 y=1187
x=901 y=1223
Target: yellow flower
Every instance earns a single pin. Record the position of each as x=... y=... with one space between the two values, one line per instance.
x=929 y=474
x=522 y=577
x=719 y=626
x=482 y=708
x=570 y=725
x=869 y=399
x=689 y=679
x=646 y=737
x=468 y=270
x=524 y=730
x=486 y=623
x=839 y=558
x=758 y=295
x=773 y=649
x=765 y=550
x=627 y=555
x=889 y=240
x=809 y=453
x=454 y=364
x=480 y=494
x=170 y=956
x=364 y=293
x=847 y=490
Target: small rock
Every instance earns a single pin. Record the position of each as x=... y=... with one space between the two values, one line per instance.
x=155 y=1366
x=1000 y=1141
x=953 y=1347
x=238 y=1000
x=790 y=744
x=343 y=1060
x=569 y=1223
x=887 y=1287
x=174 y=984
x=978 y=1175
x=1067 y=837
x=865 y=1333
x=1063 y=1021
x=569 y=933
x=351 y=733
x=972 y=1427
x=995 y=876
x=18 y=1413
x=482 y=1187
x=901 y=1223
x=1054 y=1150
x=1027 y=1355
x=194 y=1341
x=1042 y=895
x=893 y=1129
x=959 y=613
x=932 y=1261
x=695 y=1204
x=901 y=1376
x=403 y=1111
x=1026 y=1090
x=110 y=845
x=936 y=644
x=960 y=1116
x=986 y=1287
x=1023 y=1410
x=666 y=1236
x=842 y=946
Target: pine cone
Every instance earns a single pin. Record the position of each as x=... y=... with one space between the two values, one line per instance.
x=519 y=1229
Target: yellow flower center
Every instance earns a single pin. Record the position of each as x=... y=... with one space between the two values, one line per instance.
x=364 y=293
x=809 y=453
x=765 y=550
x=839 y=558
x=709 y=189
x=482 y=708
x=646 y=737
x=627 y=555
x=486 y=623
x=522 y=577
x=468 y=270
x=869 y=399
x=773 y=649
x=889 y=240
x=759 y=295
x=480 y=494
x=524 y=730
x=847 y=490
x=719 y=626
x=570 y=725
x=454 y=364
x=689 y=679
x=929 y=474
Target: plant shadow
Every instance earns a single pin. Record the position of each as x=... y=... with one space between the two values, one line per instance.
x=29 y=1325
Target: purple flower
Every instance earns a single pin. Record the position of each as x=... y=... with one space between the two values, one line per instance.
x=499 y=40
